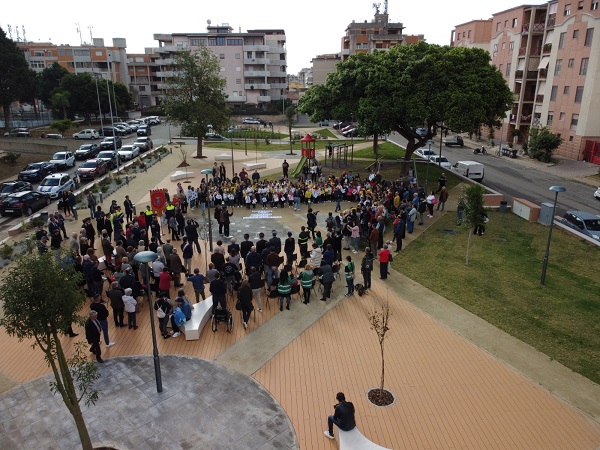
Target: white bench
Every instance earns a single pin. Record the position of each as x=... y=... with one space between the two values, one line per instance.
x=181 y=174
x=252 y=166
x=223 y=157
x=354 y=440
x=201 y=314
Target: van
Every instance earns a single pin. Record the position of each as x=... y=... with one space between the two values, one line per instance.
x=470 y=169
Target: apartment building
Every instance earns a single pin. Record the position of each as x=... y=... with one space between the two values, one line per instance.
x=253 y=64
x=323 y=65
x=549 y=56
x=366 y=37
x=473 y=34
x=108 y=62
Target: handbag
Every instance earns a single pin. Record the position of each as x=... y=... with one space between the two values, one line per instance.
x=160 y=313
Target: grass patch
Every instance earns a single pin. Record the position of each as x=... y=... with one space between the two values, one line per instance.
x=254 y=145
x=502 y=284
x=387 y=150
x=326 y=133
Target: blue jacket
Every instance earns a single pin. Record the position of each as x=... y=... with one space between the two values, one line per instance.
x=186 y=308
x=197 y=281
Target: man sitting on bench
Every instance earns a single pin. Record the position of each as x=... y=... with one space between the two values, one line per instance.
x=343 y=416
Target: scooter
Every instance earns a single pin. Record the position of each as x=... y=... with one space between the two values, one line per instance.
x=477 y=151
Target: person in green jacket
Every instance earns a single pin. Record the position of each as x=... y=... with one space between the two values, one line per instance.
x=284 y=288
x=307 y=280
x=349 y=272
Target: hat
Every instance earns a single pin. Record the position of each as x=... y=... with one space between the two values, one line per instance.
x=128 y=291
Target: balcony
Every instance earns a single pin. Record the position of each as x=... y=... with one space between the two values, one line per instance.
x=537 y=28
x=551 y=21
x=171 y=48
x=165 y=74
x=277 y=73
x=162 y=86
x=253 y=86
x=543 y=73
x=264 y=98
x=276 y=50
x=547 y=48
x=539 y=98
x=532 y=74
x=279 y=85
x=534 y=51
x=346 y=51
x=256 y=73
x=518 y=74
x=237 y=98
x=256 y=48
x=257 y=61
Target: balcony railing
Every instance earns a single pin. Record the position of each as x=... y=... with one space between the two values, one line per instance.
x=253 y=86
x=543 y=73
x=534 y=51
x=537 y=28
x=256 y=48
x=532 y=74
x=257 y=60
x=264 y=98
x=236 y=98
x=256 y=73
x=539 y=98
x=547 y=48
x=551 y=21
x=518 y=74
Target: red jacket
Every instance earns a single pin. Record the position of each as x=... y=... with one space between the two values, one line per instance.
x=384 y=256
x=164 y=281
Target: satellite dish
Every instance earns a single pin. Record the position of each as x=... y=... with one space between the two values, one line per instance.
x=208 y=21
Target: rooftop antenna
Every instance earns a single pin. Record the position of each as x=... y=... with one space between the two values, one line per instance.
x=91 y=37
x=79 y=32
x=9 y=32
x=208 y=22
x=385 y=5
x=17 y=33
x=24 y=38
x=376 y=6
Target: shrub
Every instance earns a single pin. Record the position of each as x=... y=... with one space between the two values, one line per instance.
x=10 y=158
x=6 y=251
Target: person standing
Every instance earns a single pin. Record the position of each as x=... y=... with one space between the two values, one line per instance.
x=191 y=231
x=128 y=204
x=411 y=217
x=284 y=288
x=349 y=272
x=98 y=306
x=431 y=200
x=311 y=221
x=91 y=203
x=343 y=416
x=55 y=242
x=245 y=299
x=187 y=252
x=115 y=295
x=285 y=166
x=198 y=283
x=366 y=267
x=327 y=278
x=384 y=259
x=399 y=232
x=130 y=304
x=443 y=198
x=224 y=219
x=289 y=247
x=163 y=309
x=303 y=242
x=176 y=267
x=92 y=335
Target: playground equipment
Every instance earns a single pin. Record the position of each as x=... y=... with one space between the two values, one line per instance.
x=338 y=152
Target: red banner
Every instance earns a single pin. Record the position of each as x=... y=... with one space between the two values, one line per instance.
x=158 y=201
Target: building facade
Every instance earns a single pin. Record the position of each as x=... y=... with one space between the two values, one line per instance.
x=323 y=65
x=366 y=37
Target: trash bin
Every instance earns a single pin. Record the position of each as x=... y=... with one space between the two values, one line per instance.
x=44 y=216
x=503 y=206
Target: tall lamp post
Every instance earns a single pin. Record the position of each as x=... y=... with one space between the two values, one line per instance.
x=208 y=172
x=148 y=257
x=429 y=142
x=556 y=190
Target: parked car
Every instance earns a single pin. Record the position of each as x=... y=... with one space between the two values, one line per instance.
x=18 y=132
x=144 y=143
x=110 y=131
x=92 y=168
x=584 y=222
x=53 y=136
x=454 y=140
x=109 y=157
x=144 y=130
x=128 y=152
x=10 y=187
x=352 y=131
x=36 y=171
x=213 y=137
x=425 y=153
x=253 y=121
x=23 y=203
x=347 y=128
x=124 y=131
x=53 y=185
x=88 y=133
x=111 y=143
x=62 y=160
x=421 y=132
x=597 y=194
x=153 y=120
x=440 y=161
x=341 y=125
x=86 y=151
x=324 y=123
x=133 y=124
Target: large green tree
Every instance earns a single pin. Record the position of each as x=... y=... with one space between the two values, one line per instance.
x=195 y=97
x=14 y=75
x=49 y=81
x=40 y=300
x=410 y=86
x=473 y=210
x=542 y=143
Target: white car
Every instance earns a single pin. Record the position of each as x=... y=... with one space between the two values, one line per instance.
x=87 y=134
x=128 y=152
x=597 y=194
x=62 y=160
x=53 y=185
x=425 y=153
x=441 y=161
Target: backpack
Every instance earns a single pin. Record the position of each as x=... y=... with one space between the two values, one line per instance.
x=360 y=289
x=367 y=264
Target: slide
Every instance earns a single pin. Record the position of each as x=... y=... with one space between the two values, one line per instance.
x=298 y=168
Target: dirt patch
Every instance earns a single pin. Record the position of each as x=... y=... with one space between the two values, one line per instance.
x=10 y=172
x=379 y=398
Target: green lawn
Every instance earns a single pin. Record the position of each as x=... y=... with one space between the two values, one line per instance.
x=387 y=150
x=254 y=145
x=502 y=283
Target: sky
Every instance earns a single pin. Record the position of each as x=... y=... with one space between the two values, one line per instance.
x=312 y=27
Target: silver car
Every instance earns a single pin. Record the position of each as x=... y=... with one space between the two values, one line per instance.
x=584 y=222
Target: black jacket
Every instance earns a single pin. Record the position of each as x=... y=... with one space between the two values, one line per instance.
x=101 y=310
x=344 y=411
x=92 y=331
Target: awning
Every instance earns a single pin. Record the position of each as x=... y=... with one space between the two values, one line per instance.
x=549 y=37
x=521 y=65
x=544 y=62
x=541 y=87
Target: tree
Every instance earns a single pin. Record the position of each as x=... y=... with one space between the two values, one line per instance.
x=83 y=100
x=49 y=81
x=195 y=97
x=290 y=117
x=542 y=143
x=410 y=86
x=60 y=102
x=474 y=210
x=40 y=301
x=61 y=125
x=13 y=75
x=379 y=320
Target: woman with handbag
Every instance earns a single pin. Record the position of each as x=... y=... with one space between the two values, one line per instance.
x=245 y=302
x=349 y=272
x=163 y=309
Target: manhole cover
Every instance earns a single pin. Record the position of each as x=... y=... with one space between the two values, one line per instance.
x=449 y=232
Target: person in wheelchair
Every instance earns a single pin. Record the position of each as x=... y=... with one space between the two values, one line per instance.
x=218 y=289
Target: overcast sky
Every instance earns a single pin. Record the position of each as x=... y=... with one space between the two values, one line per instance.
x=312 y=27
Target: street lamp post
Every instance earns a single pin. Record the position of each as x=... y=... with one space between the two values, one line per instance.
x=232 y=166
x=429 y=142
x=208 y=172
x=147 y=257
x=556 y=190
x=441 y=140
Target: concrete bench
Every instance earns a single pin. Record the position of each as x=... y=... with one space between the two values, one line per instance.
x=223 y=157
x=181 y=175
x=201 y=314
x=253 y=166
x=354 y=440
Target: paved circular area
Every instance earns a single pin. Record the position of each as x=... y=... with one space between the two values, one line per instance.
x=203 y=406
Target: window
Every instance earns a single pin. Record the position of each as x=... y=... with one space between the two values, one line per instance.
x=216 y=41
x=553 y=93
x=579 y=94
x=594 y=5
x=196 y=42
x=589 y=37
x=566 y=90
x=238 y=69
x=142 y=88
x=557 y=67
x=504 y=46
x=37 y=64
x=550 y=118
x=511 y=46
x=568 y=10
x=235 y=42
x=238 y=81
x=561 y=41
x=575 y=34
x=222 y=69
x=500 y=67
x=469 y=34
x=580 y=5
x=584 y=66
x=574 y=121
x=571 y=63
x=495 y=48
x=221 y=55
x=237 y=56
x=508 y=67
x=506 y=24
x=70 y=64
x=514 y=23
x=81 y=52
x=39 y=52
x=570 y=138
x=561 y=117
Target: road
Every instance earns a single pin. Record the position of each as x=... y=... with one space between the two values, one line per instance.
x=514 y=180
